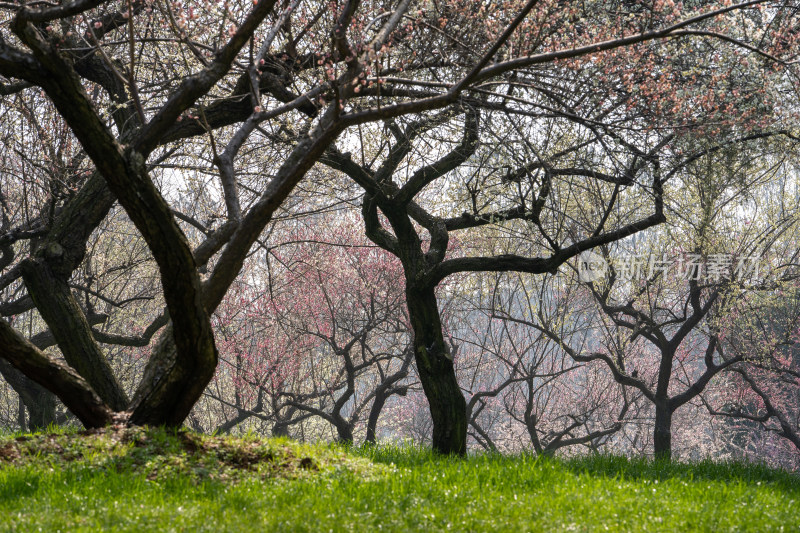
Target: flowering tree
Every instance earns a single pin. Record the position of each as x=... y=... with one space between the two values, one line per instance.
x=49 y=51
x=660 y=323
x=522 y=391
x=321 y=333
x=150 y=97
x=760 y=393
x=541 y=190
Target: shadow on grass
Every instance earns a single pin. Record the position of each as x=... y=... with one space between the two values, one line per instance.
x=610 y=466
x=603 y=466
x=18 y=485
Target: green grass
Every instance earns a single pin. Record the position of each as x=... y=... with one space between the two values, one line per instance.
x=152 y=480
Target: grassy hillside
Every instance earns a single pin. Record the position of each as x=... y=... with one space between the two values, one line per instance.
x=151 y=480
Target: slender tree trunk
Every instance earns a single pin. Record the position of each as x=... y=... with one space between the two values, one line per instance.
x=437 y=373
x=42 y=412
x=662 y=434
x=39 y=402
x=374 y=413
x=530 y=425
x=21 y=418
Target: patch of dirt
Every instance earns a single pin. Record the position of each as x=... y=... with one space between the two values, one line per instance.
x=92 y=431
x=190 y=442
x=9 y=452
